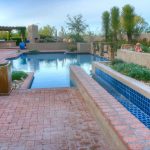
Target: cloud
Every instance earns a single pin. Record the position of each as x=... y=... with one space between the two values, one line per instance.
x=54 y=12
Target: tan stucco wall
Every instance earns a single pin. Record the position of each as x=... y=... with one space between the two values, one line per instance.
x=144 y=36
x=33 y=33
x=134 y=57
x=84 y=47
x=7 y=44
x=47 y=46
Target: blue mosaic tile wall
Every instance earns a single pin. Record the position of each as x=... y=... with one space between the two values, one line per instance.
x=136 y=98
x=136 y=111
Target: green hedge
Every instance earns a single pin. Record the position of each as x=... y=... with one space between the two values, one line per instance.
x=18 y=75
x=117 y=61
x=132 y=70
x=72 y=48
x=18 y=40
x=145 y=49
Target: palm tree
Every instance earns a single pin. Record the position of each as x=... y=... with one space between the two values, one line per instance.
x=128 y=22
x=106 y=24
x=115 y=22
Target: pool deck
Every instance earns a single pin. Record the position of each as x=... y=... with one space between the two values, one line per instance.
x=6 y=53
x=59 y=119
x=42 y=119
x=48 y=120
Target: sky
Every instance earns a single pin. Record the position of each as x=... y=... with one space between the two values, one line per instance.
x=54 y=12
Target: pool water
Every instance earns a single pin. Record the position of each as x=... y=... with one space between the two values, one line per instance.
x=51 y=70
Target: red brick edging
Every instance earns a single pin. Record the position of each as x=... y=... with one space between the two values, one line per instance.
x=128 y=129
x=27 y=82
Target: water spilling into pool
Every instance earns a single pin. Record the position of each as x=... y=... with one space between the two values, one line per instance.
x=51 y=70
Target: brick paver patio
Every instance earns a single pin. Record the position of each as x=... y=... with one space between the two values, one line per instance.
x=48 y=120
x=6 y=52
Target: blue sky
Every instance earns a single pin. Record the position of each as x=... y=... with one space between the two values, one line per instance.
x=54 y=12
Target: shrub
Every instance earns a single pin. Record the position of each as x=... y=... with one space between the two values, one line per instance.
x=18 y=75
x=132 y=70
x=145 y=49
x=76 y=38
x=72 y=47
x=46 y=39
x=18 y=40
x=117 y=61
x=140 y=73
x=144 y=42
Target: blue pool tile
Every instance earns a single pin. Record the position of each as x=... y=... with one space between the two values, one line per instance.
x=133 y=101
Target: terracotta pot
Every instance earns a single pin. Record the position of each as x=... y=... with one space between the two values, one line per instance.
x=5 y=79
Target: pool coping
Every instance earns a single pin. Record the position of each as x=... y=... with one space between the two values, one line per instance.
x=27 y=82
x=16 y=55
x=126 y=131
x=5 y=60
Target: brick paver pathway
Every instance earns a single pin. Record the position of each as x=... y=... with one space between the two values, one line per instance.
x=6 y=52
x=48 y=120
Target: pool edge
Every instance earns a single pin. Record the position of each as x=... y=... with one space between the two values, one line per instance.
x=116 y=125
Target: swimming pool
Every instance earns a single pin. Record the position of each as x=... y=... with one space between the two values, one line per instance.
x=51 y=70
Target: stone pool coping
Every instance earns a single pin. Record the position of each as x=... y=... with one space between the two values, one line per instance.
x=27 y=82
x=130 y=82
x=4 y=60
x=120 y=126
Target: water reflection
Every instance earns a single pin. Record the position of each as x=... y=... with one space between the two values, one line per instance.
x=52 y=70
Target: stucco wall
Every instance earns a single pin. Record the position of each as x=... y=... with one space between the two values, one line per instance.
x=33 y=33
x=7 y=44
x=144 y=36
x=84 y=47
x=134 y=57
x=47 y=46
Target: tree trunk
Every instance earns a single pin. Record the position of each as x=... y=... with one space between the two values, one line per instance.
x=115 y=36
x=129 y=36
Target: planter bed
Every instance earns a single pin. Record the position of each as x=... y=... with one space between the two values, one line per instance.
x=24 y=84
